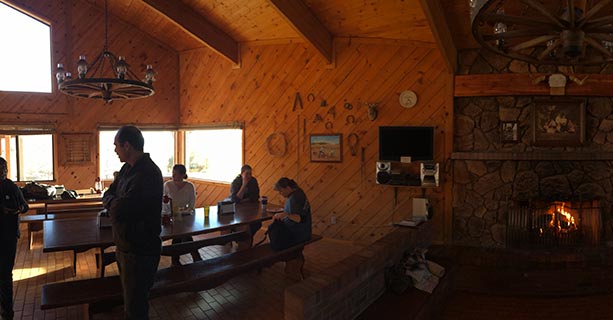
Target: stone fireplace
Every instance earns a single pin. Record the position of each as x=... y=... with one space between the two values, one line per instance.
x=490 y=177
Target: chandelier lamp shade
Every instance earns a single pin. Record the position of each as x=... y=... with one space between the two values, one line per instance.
x=561 y=32
x=108 y=77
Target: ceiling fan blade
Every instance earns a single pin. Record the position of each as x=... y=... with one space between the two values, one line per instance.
x=556 y=44
x=538 y=7
x=595 y=9
x=533 y=42
x=601 y=36
x=533 y=32
x=598 y=46
x=517 y=20
x=602 y=21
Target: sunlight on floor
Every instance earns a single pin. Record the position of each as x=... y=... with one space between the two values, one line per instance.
x=26 y=273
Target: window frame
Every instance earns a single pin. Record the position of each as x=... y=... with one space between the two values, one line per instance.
x=211 y=126
x=16 y=130
x=50 y=75
x=142 y=128
x=180 y=143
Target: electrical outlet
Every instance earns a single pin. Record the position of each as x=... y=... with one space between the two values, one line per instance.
x=333 y=220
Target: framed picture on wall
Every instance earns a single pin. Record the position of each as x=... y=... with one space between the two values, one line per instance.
x=509 y=131
x=326 y=147
x=558 y=122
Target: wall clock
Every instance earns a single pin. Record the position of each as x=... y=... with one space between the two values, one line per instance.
x=408 y=99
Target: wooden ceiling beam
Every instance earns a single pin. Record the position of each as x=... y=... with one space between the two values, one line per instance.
x=436 y=19
x=307 y=24
x=197 y=25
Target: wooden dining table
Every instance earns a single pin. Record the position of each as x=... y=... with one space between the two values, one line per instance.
x=83 y=234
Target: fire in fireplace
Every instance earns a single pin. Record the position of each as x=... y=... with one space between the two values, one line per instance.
x=553 y=223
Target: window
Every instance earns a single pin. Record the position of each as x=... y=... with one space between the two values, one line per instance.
x=214 y=154
x=29 y=157
x=160 y=144
x=25 y=58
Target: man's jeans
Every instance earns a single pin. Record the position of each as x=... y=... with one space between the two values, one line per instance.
x=137 y=274
x=8 y=249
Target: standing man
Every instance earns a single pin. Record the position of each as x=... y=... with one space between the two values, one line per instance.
x=11 y=204
x=134 y=201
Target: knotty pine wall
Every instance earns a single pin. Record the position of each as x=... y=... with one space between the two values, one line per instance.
x=261 y=94
x=78 y=28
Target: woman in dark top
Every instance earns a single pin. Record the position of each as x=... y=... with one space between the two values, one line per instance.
x=296 y=215
x=11 y=204
x=245 y=188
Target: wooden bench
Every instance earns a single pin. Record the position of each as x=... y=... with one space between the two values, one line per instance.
x=178 y=249
x=197 y=276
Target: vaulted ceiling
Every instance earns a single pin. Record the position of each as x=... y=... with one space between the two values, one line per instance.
x=225 y=24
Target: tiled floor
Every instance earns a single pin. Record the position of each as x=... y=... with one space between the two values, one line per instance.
x=250 y=296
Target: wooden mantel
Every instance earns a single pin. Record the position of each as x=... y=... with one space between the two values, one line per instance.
x=520 y=84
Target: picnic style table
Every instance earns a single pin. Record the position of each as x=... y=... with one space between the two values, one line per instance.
x=80 y=235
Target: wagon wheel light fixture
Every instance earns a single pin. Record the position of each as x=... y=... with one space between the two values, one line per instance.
x=569 y=32
x=109 y=79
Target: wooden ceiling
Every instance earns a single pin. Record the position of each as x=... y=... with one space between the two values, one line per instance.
x=223 y=24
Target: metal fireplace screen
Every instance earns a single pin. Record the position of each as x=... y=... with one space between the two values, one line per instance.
x=553 y=223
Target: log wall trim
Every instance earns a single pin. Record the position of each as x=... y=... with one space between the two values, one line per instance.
x=520 y=84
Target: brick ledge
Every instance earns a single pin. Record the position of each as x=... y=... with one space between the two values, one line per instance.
x=350 y=286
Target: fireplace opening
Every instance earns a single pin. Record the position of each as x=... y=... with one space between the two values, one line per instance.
x=553 y=223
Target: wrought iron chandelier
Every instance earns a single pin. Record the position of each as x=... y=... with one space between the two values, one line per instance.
x=108 y=77
x=564 y=32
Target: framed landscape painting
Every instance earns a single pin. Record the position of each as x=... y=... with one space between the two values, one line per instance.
x=558 y=122
x=326 y=147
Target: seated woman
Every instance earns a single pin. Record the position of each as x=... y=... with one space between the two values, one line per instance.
x=245 y=188
x=183 y=195
x=293 y=225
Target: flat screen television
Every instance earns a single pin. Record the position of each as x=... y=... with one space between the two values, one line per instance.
x=400 y=141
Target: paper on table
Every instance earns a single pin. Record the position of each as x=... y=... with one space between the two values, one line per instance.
x=410 y=222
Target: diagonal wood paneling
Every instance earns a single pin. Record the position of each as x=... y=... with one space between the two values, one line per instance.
x=261 y=94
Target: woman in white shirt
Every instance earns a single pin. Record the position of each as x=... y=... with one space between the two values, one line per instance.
x=183 y=195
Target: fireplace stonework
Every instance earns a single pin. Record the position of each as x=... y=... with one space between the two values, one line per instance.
x=484 y=189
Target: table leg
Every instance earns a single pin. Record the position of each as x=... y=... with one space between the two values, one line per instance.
x=74 y=263
x=100 y=263
x=247 y=243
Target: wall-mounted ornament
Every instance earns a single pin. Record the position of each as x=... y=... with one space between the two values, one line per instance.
x=332 y=111
x=323 y=103
x=350 y=119
x=276 y=144
x=408 y=99
x=348 y=106
x=297 y=102
x=373 y=110
x=318 y=118
x=311 y=97
x=352 y=141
